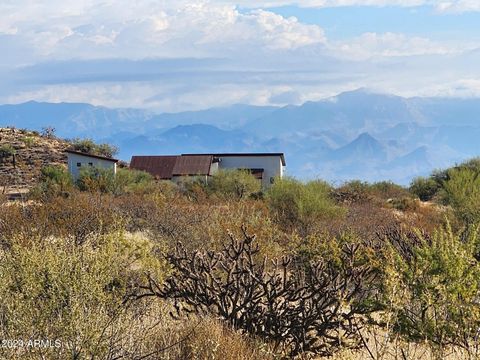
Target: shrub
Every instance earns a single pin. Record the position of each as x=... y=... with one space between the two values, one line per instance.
x=90 y=147
x=128 y=180
x=308 y=310
x=75 y=296
x=7 y=150
x=29 y=141
x=93 y=179
x=54 y=180
x=462 y=191
x=424 y=188
x=387 y=190
x=298 y=205
x=236 y=184
x=405 y=204
x=355 y=191
x=432 y=290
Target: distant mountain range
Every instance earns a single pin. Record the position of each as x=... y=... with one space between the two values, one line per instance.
x=355 y=135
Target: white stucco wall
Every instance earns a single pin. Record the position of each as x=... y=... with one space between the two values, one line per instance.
x=84 y=160
x=271 y=165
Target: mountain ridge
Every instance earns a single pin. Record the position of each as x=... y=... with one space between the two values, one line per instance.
x=320 y=138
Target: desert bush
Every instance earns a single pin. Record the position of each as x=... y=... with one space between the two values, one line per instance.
x=424 y=188
x=75 y=297
x=6 y=151
x=296 y=205
x=404 y=204
x=351 y=192
x=432 y=290
x=54 y=180
x=128 y=180
x=357 y=191
x=29 y=141
x=462 y=191
x=96 y=179
x=80 y=217
x=90 y=147
x=234 y=184
x=210 y=339
x=388 y=190
x=194 y=189
x=309 y=309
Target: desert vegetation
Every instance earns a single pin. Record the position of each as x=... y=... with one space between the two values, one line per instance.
x=125 y=267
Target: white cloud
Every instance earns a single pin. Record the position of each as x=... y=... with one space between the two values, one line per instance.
x=458 y=6
x=68 y=29
x=267 y=58
x=370 y=45
x=331 y=3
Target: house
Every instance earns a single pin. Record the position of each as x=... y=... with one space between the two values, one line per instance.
x=77 y=160
x=264 y=166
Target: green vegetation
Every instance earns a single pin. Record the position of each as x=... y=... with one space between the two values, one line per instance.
x=424 y=188
x=302 y=270
x=298 y=205
x=7 y=151
x=433 y=291
x=29 y=141
x=237 y=184
x=55 y=180
x=457 y=187
x=90 y=147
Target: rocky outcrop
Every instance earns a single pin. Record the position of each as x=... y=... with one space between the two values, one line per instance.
x=31 y=151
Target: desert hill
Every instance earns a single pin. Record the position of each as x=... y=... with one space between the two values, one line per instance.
x=23 y=153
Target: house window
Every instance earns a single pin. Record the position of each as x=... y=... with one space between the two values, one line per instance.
x=79 y=164
x=90 y=164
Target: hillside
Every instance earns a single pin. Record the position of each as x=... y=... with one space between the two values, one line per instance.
x=32 y=152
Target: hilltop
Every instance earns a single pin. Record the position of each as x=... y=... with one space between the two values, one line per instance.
x=26 y=153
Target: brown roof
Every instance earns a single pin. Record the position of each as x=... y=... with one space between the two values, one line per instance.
x=165 y=167
x=193 y=165
x=91 y=155
x=159 y=166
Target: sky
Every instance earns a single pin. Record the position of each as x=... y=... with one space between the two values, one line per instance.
x=177 y=55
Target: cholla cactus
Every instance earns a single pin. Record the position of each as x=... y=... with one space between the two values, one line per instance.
x=310 y=308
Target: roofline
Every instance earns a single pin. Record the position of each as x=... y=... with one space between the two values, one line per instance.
x=282 y=155
x=91 y=155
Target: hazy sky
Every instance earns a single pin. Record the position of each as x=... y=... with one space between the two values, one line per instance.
x=175 y=55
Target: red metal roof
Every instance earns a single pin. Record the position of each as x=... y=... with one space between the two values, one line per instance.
x=165 y=167
x=192 y=165
x=160 y=167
